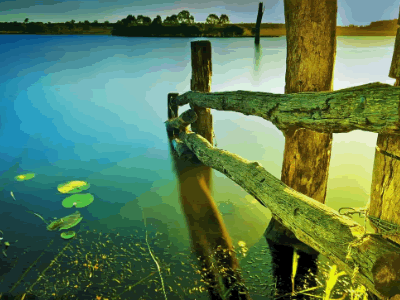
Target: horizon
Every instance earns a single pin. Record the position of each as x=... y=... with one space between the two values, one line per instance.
x=354 y=12
x=76 y=22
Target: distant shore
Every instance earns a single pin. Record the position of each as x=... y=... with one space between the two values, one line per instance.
x=266 y=30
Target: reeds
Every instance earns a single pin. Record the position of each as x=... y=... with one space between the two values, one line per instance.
x=123 y=267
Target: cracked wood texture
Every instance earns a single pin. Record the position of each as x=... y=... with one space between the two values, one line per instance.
x=370 y=107
x=385 y=187
x=201 y=82
x=311 y=49
x=312 y=222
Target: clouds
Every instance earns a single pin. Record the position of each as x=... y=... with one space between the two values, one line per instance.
x=15 y=5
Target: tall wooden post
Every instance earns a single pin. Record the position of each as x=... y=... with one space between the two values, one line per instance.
x=258 y=23
x=311 y=50
x=201 y=82
x=385 y=188
x=210 y=239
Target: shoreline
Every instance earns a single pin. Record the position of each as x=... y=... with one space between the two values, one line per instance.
x=370 y=33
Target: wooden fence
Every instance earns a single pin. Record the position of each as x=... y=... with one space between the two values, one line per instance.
x=372 y=259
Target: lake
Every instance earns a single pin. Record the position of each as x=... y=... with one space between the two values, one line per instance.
x=93 y=108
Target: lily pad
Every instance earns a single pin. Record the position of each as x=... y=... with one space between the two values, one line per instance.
x=24 y=177
x=72 y=187
x=68 y=235
x=78 y=200
x=66 y=222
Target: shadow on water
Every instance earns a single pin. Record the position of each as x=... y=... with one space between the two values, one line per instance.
x=257 y=56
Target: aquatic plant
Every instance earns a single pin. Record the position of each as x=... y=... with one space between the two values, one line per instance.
x=66 y=222
x=72 y=187
x=68 y=235
x=113 y=266
x=110 y=266
x=116 y=267
x=24 y=177
x=78 y=200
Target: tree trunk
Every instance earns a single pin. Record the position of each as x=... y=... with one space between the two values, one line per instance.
x=311 y=49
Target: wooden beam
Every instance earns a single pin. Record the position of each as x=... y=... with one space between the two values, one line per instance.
x=317 y=225
x=370 y=107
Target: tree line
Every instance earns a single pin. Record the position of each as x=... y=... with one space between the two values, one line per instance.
x=52 y=28
x=182 y=24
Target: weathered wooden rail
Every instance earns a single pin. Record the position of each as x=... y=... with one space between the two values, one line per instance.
x=338 y=237
x=323 y=228
x=307 y=120
x=373 y=107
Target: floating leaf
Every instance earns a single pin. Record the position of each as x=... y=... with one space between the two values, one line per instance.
x=66 y=222
x=68 y=235
x=24 y=177
x=79 y=200
x=72 y=187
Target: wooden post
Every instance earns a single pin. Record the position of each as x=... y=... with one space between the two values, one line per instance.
x=385 y=188
x=210 y=239
x=311 y=50
x=201 y=82
x=258 y=23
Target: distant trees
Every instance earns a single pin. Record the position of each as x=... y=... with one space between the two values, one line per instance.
x=86 y=25
x=212 y=19
x=233 y=31
x=143 y=20
x=37 y=27
x=224 y=19
x=70 y=24
x=157 y=21
x=182 y=24
x=171 y=20
x=184 y=17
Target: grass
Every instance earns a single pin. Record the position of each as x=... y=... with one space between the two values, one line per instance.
x=112 y=266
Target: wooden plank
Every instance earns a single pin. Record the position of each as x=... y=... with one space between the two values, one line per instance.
x=312 y=222
x=370 y=107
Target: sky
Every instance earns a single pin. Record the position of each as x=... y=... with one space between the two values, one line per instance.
x=356 y=12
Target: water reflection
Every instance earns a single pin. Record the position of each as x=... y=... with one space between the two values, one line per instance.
x=257 y=62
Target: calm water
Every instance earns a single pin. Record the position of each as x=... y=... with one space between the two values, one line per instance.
x=93 y=108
